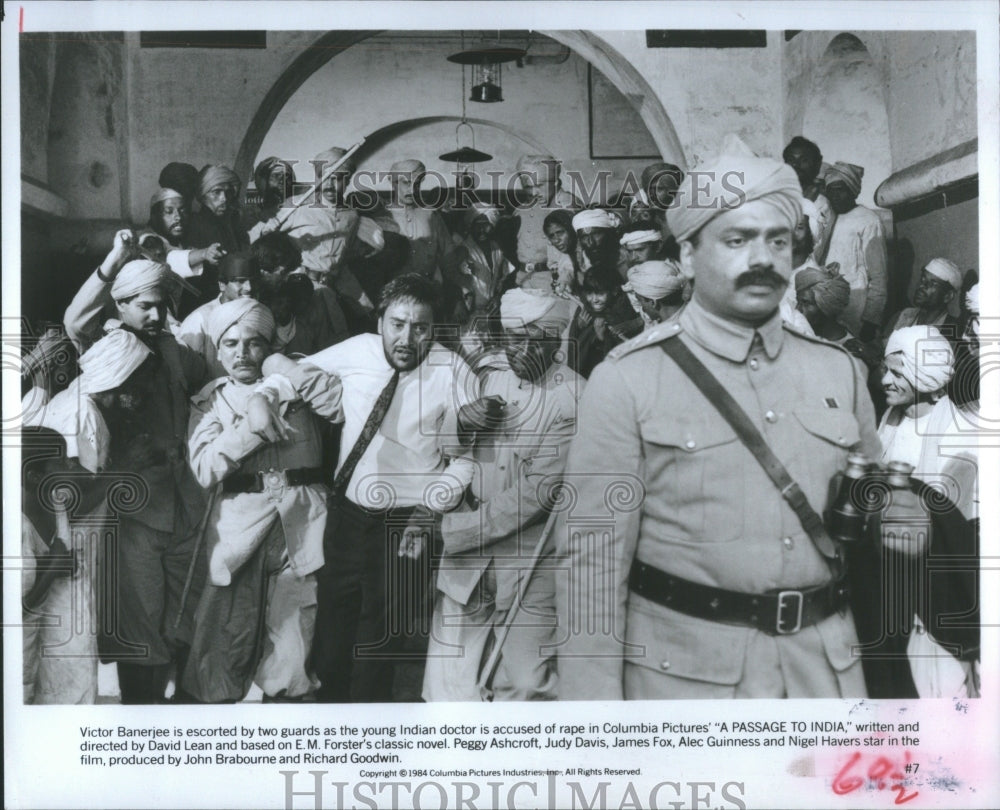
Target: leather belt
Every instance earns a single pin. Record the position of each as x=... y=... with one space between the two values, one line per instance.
x=777 y=613
x=268 y=480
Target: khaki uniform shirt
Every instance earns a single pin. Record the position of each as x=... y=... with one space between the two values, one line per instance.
x=661 y=477
x=517 y=469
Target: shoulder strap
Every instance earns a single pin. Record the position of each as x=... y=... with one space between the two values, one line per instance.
x=755 y=443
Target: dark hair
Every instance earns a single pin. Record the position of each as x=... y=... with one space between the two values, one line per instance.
x=410 y=287
x=297 y=288
x=601 y=279
x=802 y=143
x=559 y=217
x=276 y=249
x=182 y=177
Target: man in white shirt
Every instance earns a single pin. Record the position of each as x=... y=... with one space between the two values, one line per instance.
x=401 y=463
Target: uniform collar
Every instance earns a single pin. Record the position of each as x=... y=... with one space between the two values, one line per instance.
x=730 y=340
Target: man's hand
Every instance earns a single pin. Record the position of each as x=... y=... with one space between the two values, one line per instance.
x=263 y=421
x=910 y=538
x=270 y=226
x=415 y=537
x=600 y=327
x=214 y=253
x=483 y=414
x=123 y=250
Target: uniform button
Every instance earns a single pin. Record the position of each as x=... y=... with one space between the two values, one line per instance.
x=771 y=416
x=753 y=364
x=788 y=542
x=664 y=665
x=842 y=440
x=690 y=444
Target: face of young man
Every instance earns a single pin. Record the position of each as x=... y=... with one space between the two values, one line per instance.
x=240 y=287
x=241 y=353
x=932 y=292
x=335 y=188
x=145 y=313
x=841 y=198
x=664 y=190
x=899 y=391
x=592 y=240
x=173 y=218
x=560 y=238
x=637 y=254
x=807 y=306
x=530 y=351
x=540 y=183
x=406 y=333
x=481 y=230
x=804 y=162
x=406 y=187
x=276 y=177
x=219 y=199
x=597 y=300
x=742 y=263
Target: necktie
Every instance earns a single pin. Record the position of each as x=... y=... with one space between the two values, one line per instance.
x=372 y=423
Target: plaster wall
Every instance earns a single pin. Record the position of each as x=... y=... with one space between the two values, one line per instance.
x=384 y=80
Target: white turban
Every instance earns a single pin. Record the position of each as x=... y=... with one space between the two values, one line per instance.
x=330 y=157
x=241 y=310
x=139 y=276
x=593 y=218
x=728 y=181
x=541 y=165
x=111 y=361
x=972 y=299
x=654 y=280
x=928 y=359
x=947 y=271
x=520 y=307
x=481 y=209
x=636 y=238
x=410 y=166
x=165 y=194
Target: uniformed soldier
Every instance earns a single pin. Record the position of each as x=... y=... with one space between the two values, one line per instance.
x=264 y=535
x=737 y=601
x=520 y=456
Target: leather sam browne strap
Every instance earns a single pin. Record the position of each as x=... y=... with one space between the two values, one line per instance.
x=730 y=410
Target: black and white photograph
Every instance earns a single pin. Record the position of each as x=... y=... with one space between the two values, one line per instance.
x=502 y=405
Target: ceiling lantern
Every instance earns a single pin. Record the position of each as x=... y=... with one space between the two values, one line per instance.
x=487 y=76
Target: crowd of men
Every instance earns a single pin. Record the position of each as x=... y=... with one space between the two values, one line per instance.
x=535 y=446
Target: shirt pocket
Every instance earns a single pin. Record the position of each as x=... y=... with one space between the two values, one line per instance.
x=694 y=478
x=830 y=434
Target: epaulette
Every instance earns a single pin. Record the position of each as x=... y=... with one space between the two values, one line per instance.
x=653 y=334
x=206 y=390
x=814 y=339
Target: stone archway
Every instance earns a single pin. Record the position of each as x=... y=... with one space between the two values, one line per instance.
x=589 y=46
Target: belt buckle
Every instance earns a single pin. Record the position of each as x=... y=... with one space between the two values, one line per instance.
x=274 y=483
x=780 y=624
